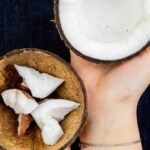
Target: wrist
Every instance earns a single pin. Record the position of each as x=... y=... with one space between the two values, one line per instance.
x=113 y=126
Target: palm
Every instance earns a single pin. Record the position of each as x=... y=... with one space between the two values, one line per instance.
x=111 y=85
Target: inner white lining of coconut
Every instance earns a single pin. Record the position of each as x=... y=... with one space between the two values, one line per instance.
x=106 y=29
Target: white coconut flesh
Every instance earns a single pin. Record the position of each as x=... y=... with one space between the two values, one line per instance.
x=51 y=132
x=106 y=29
x=40 y=84
x=55 y=108
x=19 y=101
x=48 y=115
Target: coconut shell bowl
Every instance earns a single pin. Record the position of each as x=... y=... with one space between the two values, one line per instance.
x=71 y=89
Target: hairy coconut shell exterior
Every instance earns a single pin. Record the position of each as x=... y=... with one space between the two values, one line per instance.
x=72 y=89
x=68 y=44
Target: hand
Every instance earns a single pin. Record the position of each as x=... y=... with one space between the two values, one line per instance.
x=113 y=91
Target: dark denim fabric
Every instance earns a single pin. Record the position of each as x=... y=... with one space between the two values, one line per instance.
x=26 y=23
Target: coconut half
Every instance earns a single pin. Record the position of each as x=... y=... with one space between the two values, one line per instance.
x=105 y=30
x=72 y=89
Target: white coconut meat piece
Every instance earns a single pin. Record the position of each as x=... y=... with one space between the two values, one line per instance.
x=47 y=116
x=39 y=119
x=19 y=101
x=106 y=29
x=55 y=108
x=51 y=132
x=9 y=98
x=24 y=122
x=40 y=84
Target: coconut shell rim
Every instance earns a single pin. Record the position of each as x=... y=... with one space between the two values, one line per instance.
x=93 y=60
x=83 y=121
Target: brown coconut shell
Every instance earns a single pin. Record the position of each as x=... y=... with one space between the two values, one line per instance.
x=68 y=44
x=72 y=89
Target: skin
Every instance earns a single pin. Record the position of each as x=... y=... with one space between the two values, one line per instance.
x=113 y=93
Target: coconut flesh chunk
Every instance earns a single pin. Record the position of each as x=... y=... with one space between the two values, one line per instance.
x=55 y=108
x=19 y=101
x=51 y=131
x=49 y=114
x=24 y=122
x=40 y=84
x=105 y=29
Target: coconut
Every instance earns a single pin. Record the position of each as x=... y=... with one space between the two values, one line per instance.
x=49 y=114
x=72 y=88
x=51 y=132
x=104 y=30
x=55 y=108
x=24 y=122
x=19 y=101
x=32 y=79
